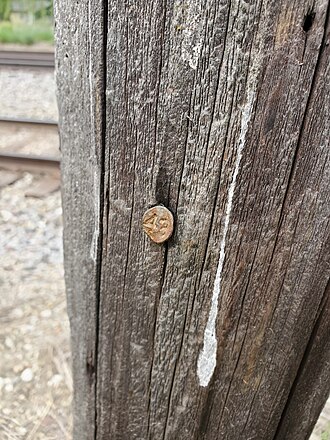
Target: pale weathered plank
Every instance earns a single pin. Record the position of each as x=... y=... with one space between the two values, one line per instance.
x=213 y=110
x=80 y=81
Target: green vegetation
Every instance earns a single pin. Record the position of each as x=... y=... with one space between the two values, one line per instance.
x=326 y=434
x=5 y=9
x=26 y=21
x=24 y=33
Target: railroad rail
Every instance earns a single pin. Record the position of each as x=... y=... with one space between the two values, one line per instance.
x=28 y=59
x=22 y=162
x=49 y=122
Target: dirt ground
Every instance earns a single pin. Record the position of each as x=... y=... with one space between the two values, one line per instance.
x=28 y=93
x=35 y=377
x=36 y=47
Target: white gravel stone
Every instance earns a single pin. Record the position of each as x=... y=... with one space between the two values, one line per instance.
x=9 y=387
x=28 y=93
x=46 y=313
x=9 y=343
x=55 y=380
x=27 y=375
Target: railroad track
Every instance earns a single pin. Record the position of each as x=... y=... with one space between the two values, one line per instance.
x=13 y=164
x=27 y=59
x=22 y=162
x=48 y=122
x=47 y=169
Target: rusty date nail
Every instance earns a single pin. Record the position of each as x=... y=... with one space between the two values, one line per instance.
x=158 y=223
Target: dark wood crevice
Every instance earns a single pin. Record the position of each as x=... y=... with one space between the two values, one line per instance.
x=304 y=377
x=104 y=207
x=308 y=20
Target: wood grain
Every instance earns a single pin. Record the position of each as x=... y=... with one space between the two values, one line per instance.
x=220 y=112
x=80 y=70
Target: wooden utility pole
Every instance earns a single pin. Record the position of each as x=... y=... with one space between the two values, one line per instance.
x=218 y=111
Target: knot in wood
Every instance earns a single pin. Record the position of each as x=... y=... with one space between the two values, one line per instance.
x=158 y=223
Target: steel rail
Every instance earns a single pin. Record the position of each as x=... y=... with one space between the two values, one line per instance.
x=28 y=59
x=11 y=120
x=21 y=162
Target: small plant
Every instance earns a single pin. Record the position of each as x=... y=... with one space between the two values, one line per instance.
x=35 y=8
x=325 y=435
x=24 y=33
x=5 y=9
x=26 y=21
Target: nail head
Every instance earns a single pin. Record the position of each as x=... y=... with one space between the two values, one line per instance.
x=158 y=223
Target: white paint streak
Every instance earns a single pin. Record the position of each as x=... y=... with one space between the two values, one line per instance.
x=207 y=357
x=96 y=233
x=96 y=186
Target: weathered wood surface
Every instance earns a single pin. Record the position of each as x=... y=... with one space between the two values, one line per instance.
x=220 y=111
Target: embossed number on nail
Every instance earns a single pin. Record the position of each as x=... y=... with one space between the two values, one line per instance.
x=158 y=223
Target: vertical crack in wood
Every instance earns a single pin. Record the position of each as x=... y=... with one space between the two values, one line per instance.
x=311 y=90
x=102 y=204
x=224 y=148
x=160 y=68
x=154 y=336
x=162 y=280
x=305 y=358
x=169 y=405
x=129 y=241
